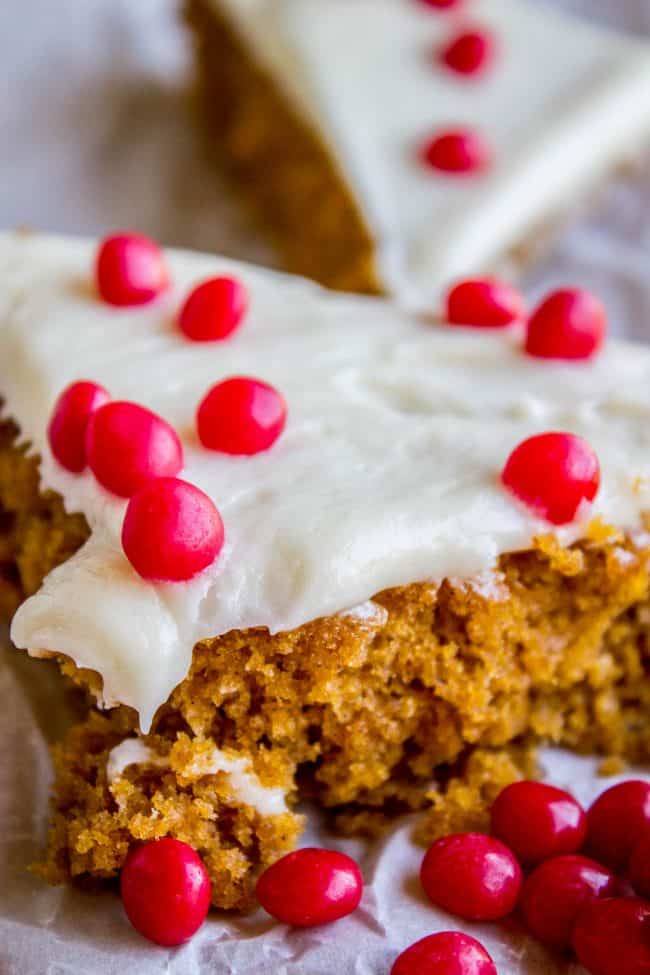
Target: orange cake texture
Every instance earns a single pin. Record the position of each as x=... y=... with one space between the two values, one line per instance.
x=361 y=715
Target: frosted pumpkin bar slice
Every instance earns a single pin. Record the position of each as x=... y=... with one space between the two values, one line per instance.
x=304 y=556
x=394 y=147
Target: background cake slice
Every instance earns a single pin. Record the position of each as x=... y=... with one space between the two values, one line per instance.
x=330 y=112
x=383 y=609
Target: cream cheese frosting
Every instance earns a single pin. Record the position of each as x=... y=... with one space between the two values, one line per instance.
x=131 y=751
x=563 y=102
x=244 y=783
x=387 y=473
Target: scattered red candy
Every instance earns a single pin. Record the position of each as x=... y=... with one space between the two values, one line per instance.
x=616 y=822
x=553 y=473
x=165 y=891
x=447 y=953
x=310 y=887
x=569 y=324
x=557 y=890
x=127 y=445
x=537 y=821
x=214 y=309
x=241 y=416
x=472 y=876
x=484 y=302
x=470 y=53
x=67 y=428
x=130 y=270
x=185 y=524
x=639 y=866
x=459 y=151
x=442 y=4
x=612 y=937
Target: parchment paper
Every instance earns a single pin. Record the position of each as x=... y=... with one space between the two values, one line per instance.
x=95 y=133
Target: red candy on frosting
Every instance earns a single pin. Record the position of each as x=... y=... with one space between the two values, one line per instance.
x=469 y=53
x=457 y=151
x=638 y=870
x=241 y=416
x=612 y=936
x=442 y=4
x=616 y=822
x=127 y=445
x=472 y=875
x=67 y=428
x=165 y=891
x=446 y=953
x=538 y=821
x=214 y=309
x=484 y=302
x=310 y=887
x=172 y=531
x=552 y=474
x=569 y=324
x=130 y=270
x=556 y=892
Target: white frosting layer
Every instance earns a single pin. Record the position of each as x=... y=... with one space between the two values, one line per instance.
x=246 y=786
x=368 y=612
x=131 y=751
x=562 y=103
x=387 y=473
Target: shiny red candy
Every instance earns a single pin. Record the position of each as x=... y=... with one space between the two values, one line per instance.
x=569 y=324
x=470 y=53
x=639 y=866
x=537 y=821
x=472 y=876
x=612 y=937
x=130 y=270
x=241 y=416
x=213 y=310
x=484 y=303
x=171 y=531
x=447 y=953
x=442 y=4
x=127 y=445
x=616 y=822
x=311 y=887
x=165 y=891
x=459 y=151
x=66 y=432
x=553 y=474
x=557 y=890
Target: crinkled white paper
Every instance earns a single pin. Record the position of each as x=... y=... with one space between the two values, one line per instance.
x=96 y=133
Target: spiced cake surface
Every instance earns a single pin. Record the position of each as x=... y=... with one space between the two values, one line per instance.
x=383 y=616
x=329 y=113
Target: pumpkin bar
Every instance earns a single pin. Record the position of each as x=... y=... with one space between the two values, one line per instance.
x=392 y=147
x=385 y=621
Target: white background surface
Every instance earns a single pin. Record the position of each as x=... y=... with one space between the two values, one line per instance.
x=95 y=134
